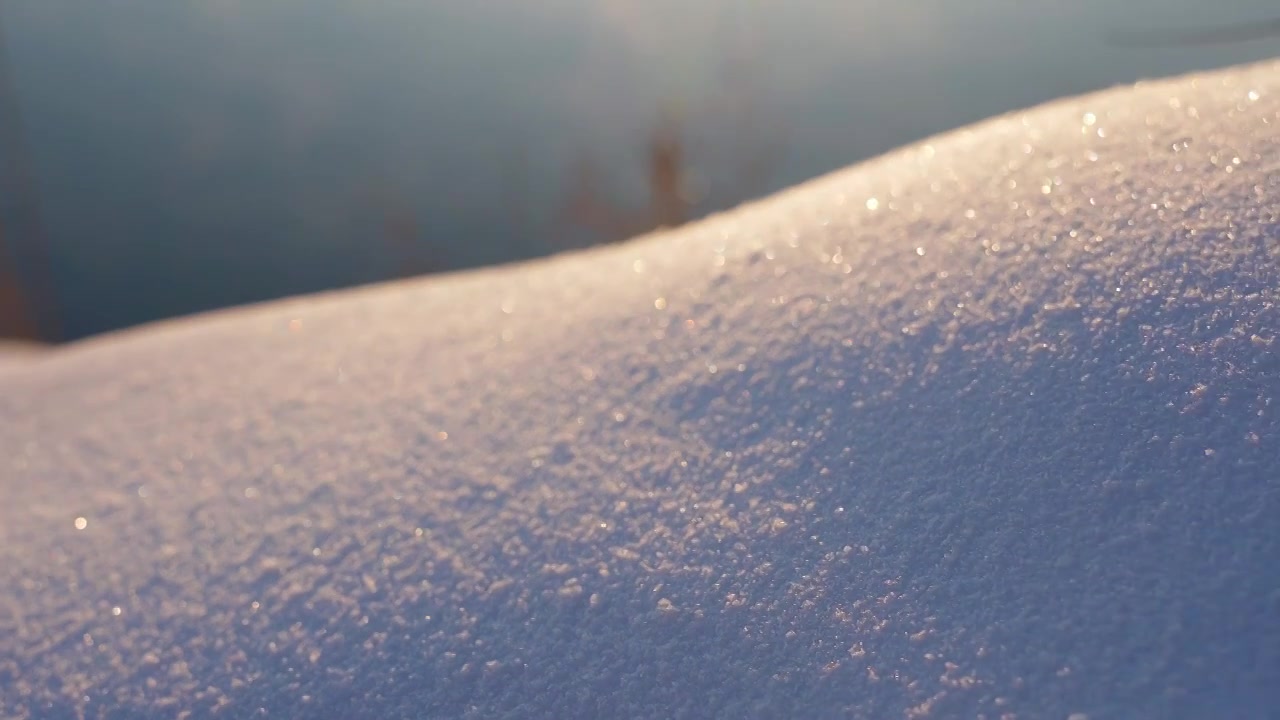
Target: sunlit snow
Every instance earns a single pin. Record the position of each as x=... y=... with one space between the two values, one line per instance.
x=982 y=428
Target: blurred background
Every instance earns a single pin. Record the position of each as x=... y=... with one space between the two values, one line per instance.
x=159 y=158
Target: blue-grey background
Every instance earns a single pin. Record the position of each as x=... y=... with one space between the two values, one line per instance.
x=187 y=156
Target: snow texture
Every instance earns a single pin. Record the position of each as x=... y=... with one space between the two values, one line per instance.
x=982 y=428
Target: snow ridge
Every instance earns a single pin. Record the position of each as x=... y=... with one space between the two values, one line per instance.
x=983 y=427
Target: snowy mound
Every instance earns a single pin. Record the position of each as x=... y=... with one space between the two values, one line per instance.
x=981 y=428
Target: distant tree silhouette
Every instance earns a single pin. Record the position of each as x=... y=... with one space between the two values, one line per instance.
x=672 y=200
x=723 y=129
x=403 y=232
x=16 y=318
x=26 y=292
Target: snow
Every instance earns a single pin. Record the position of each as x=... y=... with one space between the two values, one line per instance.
x=983 y=427
x=13 y=352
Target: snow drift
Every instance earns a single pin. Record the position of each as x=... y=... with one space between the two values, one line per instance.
x=981 y=428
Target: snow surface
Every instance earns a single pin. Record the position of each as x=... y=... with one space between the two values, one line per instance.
x=13 y=352
x=984 y=427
